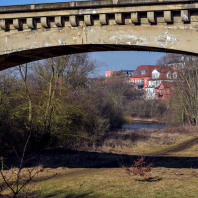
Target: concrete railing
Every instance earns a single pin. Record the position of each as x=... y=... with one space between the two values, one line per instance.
x=88 y=13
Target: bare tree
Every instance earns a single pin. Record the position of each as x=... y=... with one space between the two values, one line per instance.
x=23 y=71
x=187 y=94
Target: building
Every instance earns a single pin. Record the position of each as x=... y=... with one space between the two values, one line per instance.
x=108 y=73
x=156 y=81
x=178 y=60
x=142 y=75
x=162 y=74
x=165 y=91
x=123 y=74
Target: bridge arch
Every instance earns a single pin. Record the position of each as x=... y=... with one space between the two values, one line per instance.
x=33 y=32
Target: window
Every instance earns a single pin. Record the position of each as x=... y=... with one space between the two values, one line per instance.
x=155 y=76
x=145 y=80
x=175 y=75
x=106 y=74
x=143 y=72
x=168 y=75
x=136 y=73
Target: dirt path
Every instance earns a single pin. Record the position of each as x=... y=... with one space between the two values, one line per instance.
x=182 y=146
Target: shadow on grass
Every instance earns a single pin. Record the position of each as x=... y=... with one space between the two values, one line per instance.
x=82 y=159
x=150 y=179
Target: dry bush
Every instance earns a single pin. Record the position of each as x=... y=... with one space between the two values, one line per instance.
x=139 y=168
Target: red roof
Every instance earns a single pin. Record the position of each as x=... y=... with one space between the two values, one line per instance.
x=148 y=68
x=164 y=70
x=166 y=84
x=168 y=68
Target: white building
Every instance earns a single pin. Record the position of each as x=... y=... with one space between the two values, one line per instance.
x=168 y=74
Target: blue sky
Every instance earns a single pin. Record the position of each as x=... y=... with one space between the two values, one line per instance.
x=15 y=2
x=107 y=60
x=124 y=60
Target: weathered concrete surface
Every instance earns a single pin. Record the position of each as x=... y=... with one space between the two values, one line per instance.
x=34 y=32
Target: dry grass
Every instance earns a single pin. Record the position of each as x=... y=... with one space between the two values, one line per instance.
x=144 y=142
x=97 y=174
x=63 y=182
x=190 y=152
x=130 y=119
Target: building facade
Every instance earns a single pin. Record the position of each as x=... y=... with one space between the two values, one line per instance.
x=165 y=91
x=142 y=75
x=159 y=76
x=156 y=81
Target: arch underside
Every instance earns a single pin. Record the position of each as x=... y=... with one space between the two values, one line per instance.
x=26 y=56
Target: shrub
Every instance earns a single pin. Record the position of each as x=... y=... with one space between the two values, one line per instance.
x=139 y=168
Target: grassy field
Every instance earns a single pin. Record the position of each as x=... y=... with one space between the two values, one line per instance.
x=113 y=182
x=97 y=172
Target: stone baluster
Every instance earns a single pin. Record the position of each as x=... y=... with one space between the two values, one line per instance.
x=103 y=19
x=17 y=24
x=31 y=23
x=135 y=18
x=4 y=24
x=185 y=16
x=73 y=21
x=59 y=21
x=45 y=22
x=119 y=19
x=88 y=20
x=151 y=17
x=168 y=18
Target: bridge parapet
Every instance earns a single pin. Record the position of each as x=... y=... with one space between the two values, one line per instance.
x=150 y=12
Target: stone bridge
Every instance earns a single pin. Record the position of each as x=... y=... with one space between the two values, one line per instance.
x=33 y=32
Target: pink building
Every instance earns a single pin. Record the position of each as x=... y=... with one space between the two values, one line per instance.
x=165 y=91
x=108 y=73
